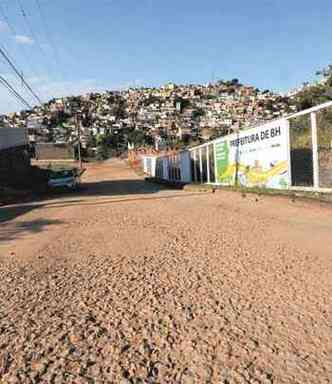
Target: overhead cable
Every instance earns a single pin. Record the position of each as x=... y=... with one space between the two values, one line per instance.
x=14 y=33
x=30 y=30
x=13 y=92
x=21 y=77
x=49 y=36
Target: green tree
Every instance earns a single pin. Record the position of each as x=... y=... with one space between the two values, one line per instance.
x=139 y=138
x=317 y=93
x=311 y=96
x=103 y=152
x=326 y=74
x=199 y=112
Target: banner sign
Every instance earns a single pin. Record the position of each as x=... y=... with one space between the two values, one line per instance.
x=258 y=157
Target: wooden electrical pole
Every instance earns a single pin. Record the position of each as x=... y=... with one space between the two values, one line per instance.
x=78 y=126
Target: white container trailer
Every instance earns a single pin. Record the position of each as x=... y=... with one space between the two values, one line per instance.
x=149 y=165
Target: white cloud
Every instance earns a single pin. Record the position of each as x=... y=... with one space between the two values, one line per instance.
x=4 y=27
x=22 y=39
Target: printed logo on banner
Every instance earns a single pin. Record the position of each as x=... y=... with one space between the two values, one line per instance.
x=255 y=158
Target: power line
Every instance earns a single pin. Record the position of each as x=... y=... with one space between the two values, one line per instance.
x=49 y=35
x=13 y=92
x=14 y=33
x=21 y=77
x=30 y=30
x=7 y=57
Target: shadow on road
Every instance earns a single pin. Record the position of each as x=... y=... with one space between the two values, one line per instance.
x=107 y=188
x=10 y=213
x=119 y=187
x=72 y=203
x=81 y=202
x=96 y=189
x=13 y=231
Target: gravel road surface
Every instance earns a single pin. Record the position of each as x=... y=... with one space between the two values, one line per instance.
x=127 y=282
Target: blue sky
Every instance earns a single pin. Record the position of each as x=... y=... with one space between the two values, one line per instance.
x=106 y=44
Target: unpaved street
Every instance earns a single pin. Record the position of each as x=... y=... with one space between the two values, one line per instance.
x=128 y=282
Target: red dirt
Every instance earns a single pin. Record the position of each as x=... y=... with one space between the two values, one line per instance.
x=129 y=283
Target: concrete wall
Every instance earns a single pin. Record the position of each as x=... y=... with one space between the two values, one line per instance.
x=50 y=151
x=15 y=165
x=12 y=137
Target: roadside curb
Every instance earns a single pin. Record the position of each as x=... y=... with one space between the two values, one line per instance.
x=293 y=195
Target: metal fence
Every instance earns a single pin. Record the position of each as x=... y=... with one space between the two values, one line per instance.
x=311 y=147
x=292 y=152
x=203 y=164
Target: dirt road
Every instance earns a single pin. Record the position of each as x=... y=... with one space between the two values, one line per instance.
x=129 y=283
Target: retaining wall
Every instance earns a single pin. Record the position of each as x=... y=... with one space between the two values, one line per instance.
x=15 y=165
x=51 y=151
x=12 y=137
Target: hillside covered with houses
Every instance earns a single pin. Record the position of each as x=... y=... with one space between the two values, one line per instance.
x=168 y=116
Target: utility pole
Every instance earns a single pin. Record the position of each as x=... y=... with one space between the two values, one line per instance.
x=78 y=126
